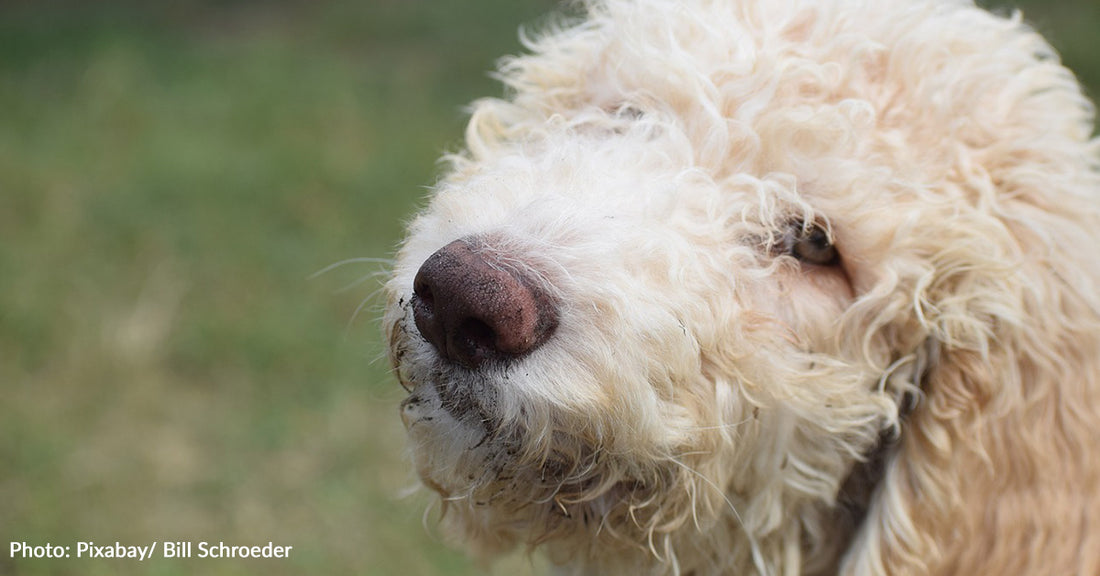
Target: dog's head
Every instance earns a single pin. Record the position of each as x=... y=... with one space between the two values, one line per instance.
x=696 y=268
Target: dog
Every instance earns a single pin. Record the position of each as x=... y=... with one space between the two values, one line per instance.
x=769 y=287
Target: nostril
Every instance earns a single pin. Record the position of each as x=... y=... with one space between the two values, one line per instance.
x=422 y=289
x=479 y=339
x=478 y=332
x=426 y=296
x=423 y=307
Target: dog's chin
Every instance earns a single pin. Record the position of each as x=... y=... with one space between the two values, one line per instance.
x=454 y=393
x=450 y=442
x=450 y=415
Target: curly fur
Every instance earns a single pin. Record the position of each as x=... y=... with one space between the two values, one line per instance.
x=709 y=404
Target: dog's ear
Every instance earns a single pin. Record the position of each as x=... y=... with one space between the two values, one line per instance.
x=996 y=471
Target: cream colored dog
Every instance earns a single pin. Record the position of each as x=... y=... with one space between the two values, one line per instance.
x=765 y=287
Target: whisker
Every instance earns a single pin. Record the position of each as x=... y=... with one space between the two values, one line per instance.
x=379 y=356
x=757 y=557
x=361 y=280
x=360 y=260
x=723 y=426
x=363 y=304
x=729 y=503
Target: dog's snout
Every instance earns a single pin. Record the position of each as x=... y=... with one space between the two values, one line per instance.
x=472 y=310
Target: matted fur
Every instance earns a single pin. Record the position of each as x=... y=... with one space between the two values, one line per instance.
x=707 y=402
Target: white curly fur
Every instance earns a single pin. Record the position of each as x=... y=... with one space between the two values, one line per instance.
x=707 y=403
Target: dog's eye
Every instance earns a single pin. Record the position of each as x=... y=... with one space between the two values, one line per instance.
x=630 y=112
x=812 y=245
x=625 y=111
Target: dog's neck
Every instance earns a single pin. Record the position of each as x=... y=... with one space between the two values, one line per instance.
x=854 y=497
x=853 y=502
x=858 y=489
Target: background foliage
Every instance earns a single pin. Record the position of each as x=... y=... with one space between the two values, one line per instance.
x=171 y=176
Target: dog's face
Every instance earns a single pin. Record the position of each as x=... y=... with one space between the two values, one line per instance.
x=686 y=280
x=686 y=328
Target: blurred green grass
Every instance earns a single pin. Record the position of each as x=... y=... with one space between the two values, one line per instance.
x=171 y=175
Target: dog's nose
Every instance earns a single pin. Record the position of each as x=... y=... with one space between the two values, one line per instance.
x=472 y=309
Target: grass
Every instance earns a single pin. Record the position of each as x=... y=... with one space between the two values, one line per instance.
x=171 y=176
x=170 y=181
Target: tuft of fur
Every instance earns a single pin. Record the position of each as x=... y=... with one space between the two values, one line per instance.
x=710 y=404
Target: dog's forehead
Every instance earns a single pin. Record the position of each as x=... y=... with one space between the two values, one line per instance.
x=786 y=86
x=579 y=176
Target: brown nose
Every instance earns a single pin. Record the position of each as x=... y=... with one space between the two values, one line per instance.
x=472 y=311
